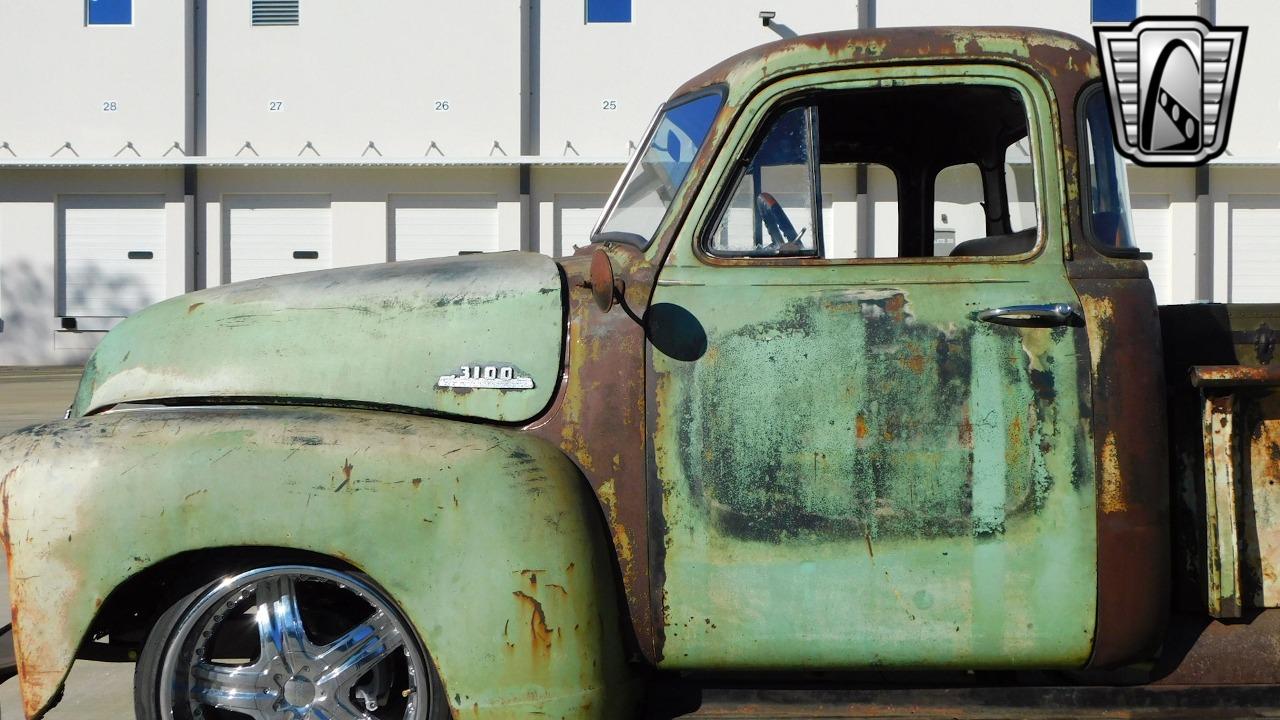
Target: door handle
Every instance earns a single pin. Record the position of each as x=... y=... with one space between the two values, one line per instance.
x=1048 y=315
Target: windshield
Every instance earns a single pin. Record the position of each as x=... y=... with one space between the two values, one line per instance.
x=652 y=182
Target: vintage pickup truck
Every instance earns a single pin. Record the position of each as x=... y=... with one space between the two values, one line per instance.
x=739 y=440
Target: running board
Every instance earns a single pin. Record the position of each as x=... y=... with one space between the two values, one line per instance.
x=990 y=703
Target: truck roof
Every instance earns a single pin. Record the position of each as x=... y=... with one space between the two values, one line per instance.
x=1061 y=58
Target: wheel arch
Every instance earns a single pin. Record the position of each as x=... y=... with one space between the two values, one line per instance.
x=133 y=606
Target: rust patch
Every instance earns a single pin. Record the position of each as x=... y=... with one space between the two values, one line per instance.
x=609 y=499
x=598 y=416
x=1130 y=455
x=1112 y=495
x=539 y=633
x=1226 y=376
x=347 y=467
x=914 y=362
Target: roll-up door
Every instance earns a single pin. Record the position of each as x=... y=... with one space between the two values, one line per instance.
x=276 y=235
x=1153 y=233
x=111 y=254
x=576 y=216
x=426 y=226
x=1255 y=248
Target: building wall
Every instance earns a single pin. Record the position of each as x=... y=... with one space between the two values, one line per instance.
x=94 y=88
x=599 y=83
x=542 y=109
x=31 y=287
x=400 y=74
x=567 y=201
x=361 y=203
x=1253 y=134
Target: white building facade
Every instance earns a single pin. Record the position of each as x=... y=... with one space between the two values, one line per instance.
x=153 y=147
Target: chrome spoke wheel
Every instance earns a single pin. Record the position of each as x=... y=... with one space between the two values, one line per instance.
x=293 y=642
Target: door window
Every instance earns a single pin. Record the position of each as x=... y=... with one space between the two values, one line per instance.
x=951 y=165
x=770 y=211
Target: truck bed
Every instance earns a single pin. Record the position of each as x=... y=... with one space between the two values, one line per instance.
x=1222 y=367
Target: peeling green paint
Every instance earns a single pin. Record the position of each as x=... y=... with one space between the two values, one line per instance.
x=402 y=498
x=376 y=334
x=855 y=472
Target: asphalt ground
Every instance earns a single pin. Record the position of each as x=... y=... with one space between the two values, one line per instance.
x=95 y=691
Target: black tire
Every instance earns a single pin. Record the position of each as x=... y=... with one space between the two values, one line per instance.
x=175 y=628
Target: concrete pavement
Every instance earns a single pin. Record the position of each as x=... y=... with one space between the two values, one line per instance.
x=95 y=691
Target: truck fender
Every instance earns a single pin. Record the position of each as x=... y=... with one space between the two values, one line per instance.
x=489 y=539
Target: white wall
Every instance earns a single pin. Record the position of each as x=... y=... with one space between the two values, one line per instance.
x=29 y=289
x=564 y=182
x=59 y=73
x=351 y=73
x=1254 y=133
x=359 y=203
x=639 y=64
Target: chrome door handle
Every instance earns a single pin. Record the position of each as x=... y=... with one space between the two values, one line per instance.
x=1048 y=315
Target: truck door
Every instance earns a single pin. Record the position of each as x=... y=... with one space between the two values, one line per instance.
x=868 y=425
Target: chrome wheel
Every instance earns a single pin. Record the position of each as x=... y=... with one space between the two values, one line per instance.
x=293 y=643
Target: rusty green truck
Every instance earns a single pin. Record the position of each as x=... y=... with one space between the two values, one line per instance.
x=741 y=439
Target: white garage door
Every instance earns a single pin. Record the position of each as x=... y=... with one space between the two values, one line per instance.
x=112 y=254
x=576 y=216
x=276 y=235
x=1255 y=248
x=426 y=226
x=1153 y=231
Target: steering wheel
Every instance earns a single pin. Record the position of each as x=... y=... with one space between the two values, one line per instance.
x=782 y=234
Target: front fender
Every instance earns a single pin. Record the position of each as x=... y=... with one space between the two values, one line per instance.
x=488 y=539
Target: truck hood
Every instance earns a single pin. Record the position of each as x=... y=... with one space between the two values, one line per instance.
x=477 y=336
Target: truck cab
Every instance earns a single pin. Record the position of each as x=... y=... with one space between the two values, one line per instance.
x=884 y=447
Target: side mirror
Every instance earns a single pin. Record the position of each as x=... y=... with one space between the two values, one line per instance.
x=605 y=286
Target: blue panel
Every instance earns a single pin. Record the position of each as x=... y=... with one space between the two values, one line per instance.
x=110 y=12
x=602 y=11
x=1115 y=10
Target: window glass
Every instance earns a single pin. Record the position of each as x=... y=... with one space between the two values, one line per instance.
x=770 y=211
x=659 y=170
x=1020 y=186
x=958 y=212
x=1115 y=10
x=109 y=12
x=1108 y=221
x=881 y=214
x=608 y=11
x=836 y=181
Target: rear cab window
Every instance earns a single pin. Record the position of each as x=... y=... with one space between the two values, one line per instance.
x=1106 y=184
